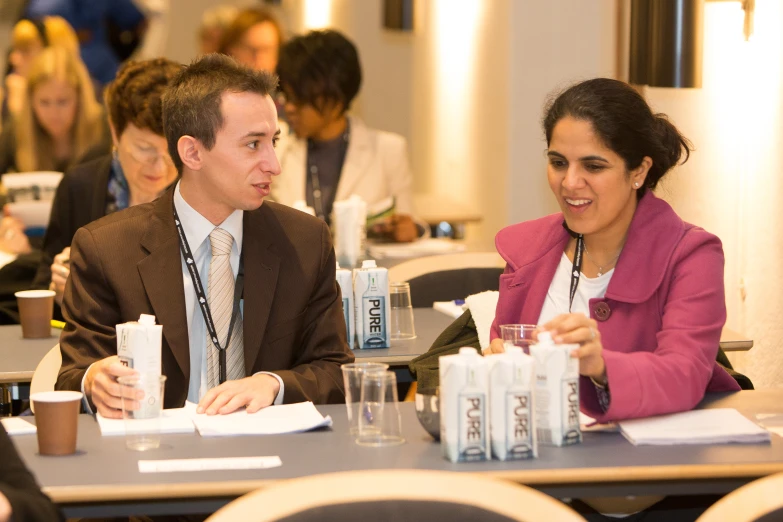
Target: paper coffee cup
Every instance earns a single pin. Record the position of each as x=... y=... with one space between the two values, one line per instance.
x=56 y=419
x=35 y=313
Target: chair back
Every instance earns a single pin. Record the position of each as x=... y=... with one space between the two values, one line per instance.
x=759 y=501
x=387 y=495
x=449 y=276
x=46 y=372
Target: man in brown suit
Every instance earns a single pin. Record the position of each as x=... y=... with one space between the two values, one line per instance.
x=289 y=340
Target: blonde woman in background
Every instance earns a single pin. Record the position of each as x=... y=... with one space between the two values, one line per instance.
x=59 y=120
x=28 y=39
x=214 y=23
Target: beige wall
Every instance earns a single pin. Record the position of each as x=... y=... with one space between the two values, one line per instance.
x=732 y=184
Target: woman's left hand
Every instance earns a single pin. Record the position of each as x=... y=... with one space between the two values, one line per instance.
x=580 y=329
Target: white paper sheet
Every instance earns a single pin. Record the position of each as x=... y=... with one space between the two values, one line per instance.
x=176 y=420
x=274 y=420
x=226 y=463
x=17 y=426
x=713 y=426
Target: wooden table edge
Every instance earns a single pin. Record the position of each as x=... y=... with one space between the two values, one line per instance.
x=16 y=377
x=587 y=476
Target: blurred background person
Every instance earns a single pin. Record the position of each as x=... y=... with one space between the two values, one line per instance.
x=94 y=21
x=28 y=39
x=59 y=119
x=137 y=172
x=214 y=23
x=254 y=39
x=334 y=155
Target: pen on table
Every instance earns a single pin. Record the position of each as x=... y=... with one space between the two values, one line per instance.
x=57 y=324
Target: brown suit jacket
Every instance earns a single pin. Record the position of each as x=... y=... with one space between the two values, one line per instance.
x=128 y=263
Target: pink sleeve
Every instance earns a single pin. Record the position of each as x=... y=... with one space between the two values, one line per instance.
x=494 y=330
x=675 y=375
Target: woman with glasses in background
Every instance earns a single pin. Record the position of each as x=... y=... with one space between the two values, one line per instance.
x=139 y=169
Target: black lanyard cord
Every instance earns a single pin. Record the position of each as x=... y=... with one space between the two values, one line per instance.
x=576 y=270
x=202 y=298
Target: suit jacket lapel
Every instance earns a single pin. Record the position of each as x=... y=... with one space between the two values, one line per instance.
x=357 y=160
x=262 y=266
x=161 y=274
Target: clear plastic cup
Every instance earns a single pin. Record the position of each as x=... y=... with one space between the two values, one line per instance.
x=142 y=407
x=522 y=335
x=380 y=423
x=401 y=312
x=352 y=377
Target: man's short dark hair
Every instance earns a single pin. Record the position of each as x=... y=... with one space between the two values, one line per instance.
x=320 y=67
x=191 y=104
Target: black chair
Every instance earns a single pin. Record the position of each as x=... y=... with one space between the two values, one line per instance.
x=448 y=277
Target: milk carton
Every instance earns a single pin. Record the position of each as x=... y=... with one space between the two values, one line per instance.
x=371 y=300
x=556 y=392
x=349 y=227
x=139 y=347
x=511 y=384
x=345 y=281
x=464 y=422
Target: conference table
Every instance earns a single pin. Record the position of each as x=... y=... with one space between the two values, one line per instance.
x=102 y=478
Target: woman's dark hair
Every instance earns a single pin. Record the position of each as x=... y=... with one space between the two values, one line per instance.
x=320 y=67
x=624 y=122
x=135 y=95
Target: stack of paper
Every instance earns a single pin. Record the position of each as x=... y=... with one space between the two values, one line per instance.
x=176 y=420
x=17 y=426
x=274 y=420
x=451 y=308
x=714 y=426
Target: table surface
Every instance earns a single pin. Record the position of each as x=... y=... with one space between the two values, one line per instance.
x=19 y=357
x=604 y=464
x=428 y=322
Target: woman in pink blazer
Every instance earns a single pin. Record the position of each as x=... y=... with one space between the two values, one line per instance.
x=647 y=303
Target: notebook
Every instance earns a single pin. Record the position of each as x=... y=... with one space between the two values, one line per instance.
x=713 y=426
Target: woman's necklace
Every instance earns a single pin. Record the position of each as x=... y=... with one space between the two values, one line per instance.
x=605 y=265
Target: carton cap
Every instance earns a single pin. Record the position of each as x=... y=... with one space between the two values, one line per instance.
x=545 y=338
x=369 y=263
x=516 y=350
x=147 y=320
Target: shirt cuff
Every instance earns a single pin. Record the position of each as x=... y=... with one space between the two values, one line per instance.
x=85 y=401
x=281 y=392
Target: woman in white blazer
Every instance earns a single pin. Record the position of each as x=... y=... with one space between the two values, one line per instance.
x=330 y=156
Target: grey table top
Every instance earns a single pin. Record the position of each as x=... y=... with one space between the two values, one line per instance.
x=19 y=357
x=606 y=464
x=428 y=322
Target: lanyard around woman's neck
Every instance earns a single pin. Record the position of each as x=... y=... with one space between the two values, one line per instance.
x=576 y=270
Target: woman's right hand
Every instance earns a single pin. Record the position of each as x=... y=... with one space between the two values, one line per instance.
x=61 y=269
x=496 y=346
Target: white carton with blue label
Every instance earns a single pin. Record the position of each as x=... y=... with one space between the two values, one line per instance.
x=139 y=347
x=464 y=392
x=511 y=384
x=556 y=392
x=371 y=300
x=345 y=281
